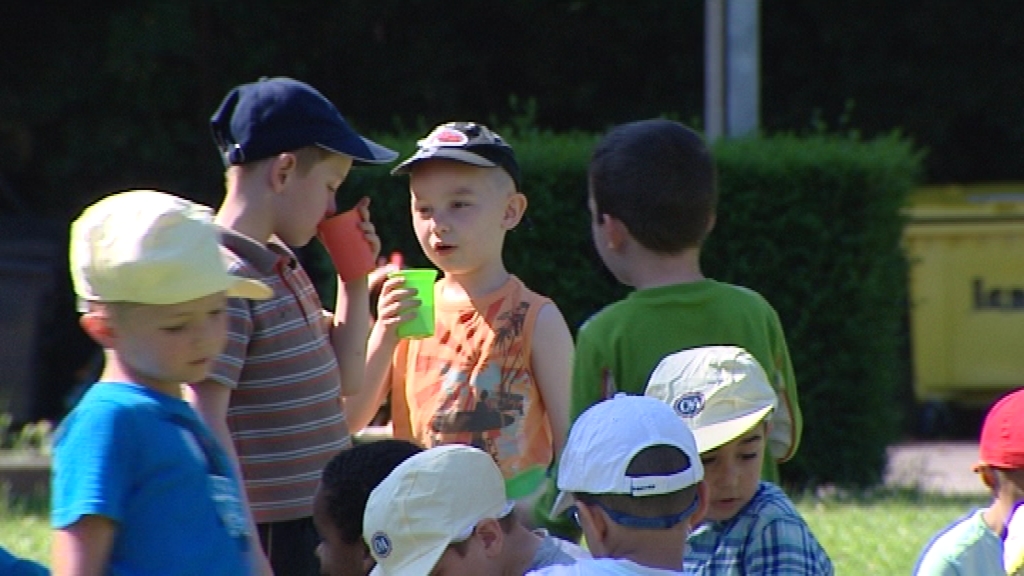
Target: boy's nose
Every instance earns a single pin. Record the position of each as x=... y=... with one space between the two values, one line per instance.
x=729 y=476
x=441 y=225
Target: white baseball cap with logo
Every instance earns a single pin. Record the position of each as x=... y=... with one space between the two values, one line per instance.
x=607 y=436
x=429 y=501
x=720 y=392
x=150 y=247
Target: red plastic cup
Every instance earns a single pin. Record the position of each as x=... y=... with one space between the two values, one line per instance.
x=348 y=247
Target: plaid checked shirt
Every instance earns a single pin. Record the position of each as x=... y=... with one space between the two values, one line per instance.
x=768 y=536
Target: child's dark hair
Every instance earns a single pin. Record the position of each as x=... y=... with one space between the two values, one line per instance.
x=651 y=461
x=350 y=476
x=658 y=178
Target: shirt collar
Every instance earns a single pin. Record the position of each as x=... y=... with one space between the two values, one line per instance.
x=265 y=258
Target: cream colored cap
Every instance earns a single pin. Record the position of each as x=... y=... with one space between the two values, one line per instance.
x=429 y=501
x=720 y=392
x=151 y=247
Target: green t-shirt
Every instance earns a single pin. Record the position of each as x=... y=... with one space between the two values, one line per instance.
x=619 y=347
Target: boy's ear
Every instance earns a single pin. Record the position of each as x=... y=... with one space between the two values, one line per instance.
x=615 y=232
x=594 y=525
x=99 y=327
x=281 y=168
x=514 y=210
x=711 y=223
x=491 y=536
x=988 y=476
x=368 y=561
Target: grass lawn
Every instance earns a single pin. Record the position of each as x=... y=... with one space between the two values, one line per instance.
x=872 y=533
x=883 y=532
x=25 y=528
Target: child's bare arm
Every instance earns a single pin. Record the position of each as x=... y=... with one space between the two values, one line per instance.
x=83 y=548
x=351 y=320
x=393 y=307
x=551 y=353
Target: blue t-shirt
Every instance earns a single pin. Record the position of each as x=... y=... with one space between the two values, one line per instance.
x=144 y=460
x=11 y=565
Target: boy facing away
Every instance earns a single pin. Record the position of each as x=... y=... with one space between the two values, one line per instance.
x=632 y=477
x=495 y=374
x=652 y=199
x=974 y=544
x=274 y=396
x=751 y=526
x=136 y=475
x=444 y=512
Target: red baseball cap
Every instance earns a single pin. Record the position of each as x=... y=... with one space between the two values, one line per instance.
x=1002 y=434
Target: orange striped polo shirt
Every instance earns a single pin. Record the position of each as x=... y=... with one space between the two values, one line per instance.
x=285 y=415
x=472 y=382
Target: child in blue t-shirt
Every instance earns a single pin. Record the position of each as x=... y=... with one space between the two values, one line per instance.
x=11 y=565
x=139 y=484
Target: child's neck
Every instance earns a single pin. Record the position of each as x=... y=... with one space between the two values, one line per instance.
x=996 y=516
x=475 y=283
x=115 y=370
x=654 y=550
x=522 y=546
x=246 y=213
x=650 y=270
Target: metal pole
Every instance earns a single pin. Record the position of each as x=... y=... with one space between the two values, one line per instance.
x=714 y=66
x=742 y=65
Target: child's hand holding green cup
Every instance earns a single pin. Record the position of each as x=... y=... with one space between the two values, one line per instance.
x=421 y=279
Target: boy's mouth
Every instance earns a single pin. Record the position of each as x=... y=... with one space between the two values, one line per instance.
x=442 y=248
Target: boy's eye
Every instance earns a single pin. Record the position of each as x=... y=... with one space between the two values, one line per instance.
x=173 y=329
x=216 y=313
x=460 y=204
x=749 y=456
x=708 y=460
x=423 y=211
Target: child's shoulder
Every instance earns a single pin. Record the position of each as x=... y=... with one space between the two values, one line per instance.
x=525 y=292
x=701 y=293
x=248 y=257
x=772 y=503
x=114 y=406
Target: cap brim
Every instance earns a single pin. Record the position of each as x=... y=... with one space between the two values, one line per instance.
x=715 y=435
x=423 y=564
x=457 y=154
x=562 y=503
x=369 y=153
x=249 y=289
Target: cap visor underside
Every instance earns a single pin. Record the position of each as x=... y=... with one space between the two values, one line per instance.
x=249 y=289
x=457 y=154
x=715 y=435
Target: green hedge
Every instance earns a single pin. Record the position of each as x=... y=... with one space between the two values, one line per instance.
x=814 y=225
x=811 y=223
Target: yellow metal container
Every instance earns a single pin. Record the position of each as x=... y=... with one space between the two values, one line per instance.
x=965 y=247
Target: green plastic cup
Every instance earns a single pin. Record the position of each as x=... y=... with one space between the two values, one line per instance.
x=422 y=279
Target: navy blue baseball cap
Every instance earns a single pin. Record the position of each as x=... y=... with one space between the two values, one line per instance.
x=274 y=115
